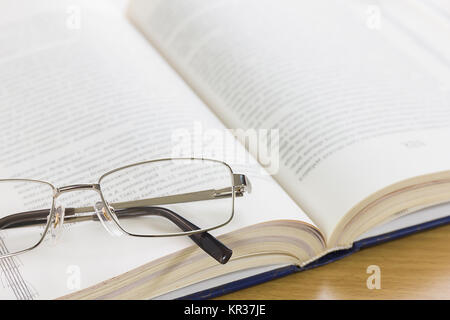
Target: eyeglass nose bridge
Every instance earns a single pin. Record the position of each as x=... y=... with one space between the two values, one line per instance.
x=77 y=187
x=107 y=218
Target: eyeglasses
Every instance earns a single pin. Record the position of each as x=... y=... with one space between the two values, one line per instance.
x=157 y=198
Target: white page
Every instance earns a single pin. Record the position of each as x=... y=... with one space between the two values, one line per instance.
x=79 y=100
x=359 y=106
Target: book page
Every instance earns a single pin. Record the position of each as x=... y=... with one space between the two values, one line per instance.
x=81 y=93
x=359 y=102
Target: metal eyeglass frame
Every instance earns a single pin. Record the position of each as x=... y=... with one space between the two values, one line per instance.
x=211 y=245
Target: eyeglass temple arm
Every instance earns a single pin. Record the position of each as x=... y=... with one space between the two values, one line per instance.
x=242 y=185
x=204 y=240
x=25 y=219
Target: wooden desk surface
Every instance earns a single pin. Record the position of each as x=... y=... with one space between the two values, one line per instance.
x=415 y=267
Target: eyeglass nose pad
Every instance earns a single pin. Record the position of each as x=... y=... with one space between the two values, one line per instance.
x=107 y=220
x=56 y=225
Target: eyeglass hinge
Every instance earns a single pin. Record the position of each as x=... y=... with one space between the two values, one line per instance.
x=242 y=184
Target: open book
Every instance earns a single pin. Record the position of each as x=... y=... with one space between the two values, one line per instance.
x=359 y=94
